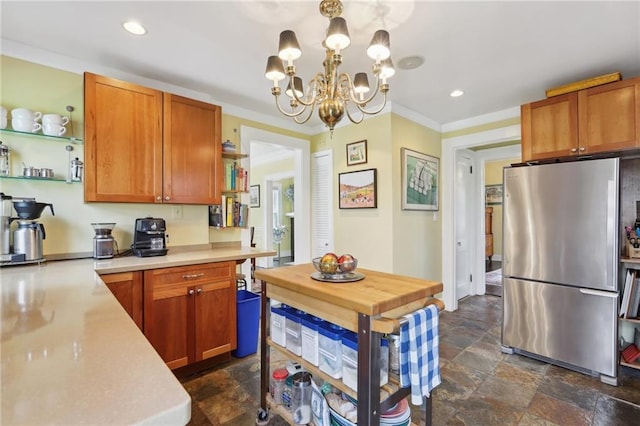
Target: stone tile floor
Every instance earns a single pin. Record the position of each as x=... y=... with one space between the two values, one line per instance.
x=480 y=385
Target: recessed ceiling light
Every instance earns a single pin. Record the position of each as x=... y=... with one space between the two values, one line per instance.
x=456 y=93
x=410 y=62
x=134 y=28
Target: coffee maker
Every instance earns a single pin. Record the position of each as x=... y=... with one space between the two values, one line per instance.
x=148 y=238
x=29 y=235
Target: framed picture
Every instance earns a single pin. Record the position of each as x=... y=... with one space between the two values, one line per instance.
x=493 y=195
x=254 y=196
x=357 y=153
x=420 y=182
x=358 y=190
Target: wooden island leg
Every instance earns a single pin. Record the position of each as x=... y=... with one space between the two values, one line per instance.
x=264 y=350
x=368 y=373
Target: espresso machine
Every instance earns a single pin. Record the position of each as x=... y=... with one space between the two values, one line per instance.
x=149 y=237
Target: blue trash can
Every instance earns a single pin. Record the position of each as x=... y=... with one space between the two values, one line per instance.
x=248 y=321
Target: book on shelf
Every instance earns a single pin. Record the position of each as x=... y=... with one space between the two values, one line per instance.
x=631 y=295
x=232 y=213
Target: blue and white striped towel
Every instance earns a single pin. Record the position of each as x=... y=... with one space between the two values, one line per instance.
x=419 y=355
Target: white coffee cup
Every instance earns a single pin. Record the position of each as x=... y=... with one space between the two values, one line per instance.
x=58 y=119
x=3 y=111
x=25 y=125
x=24 y=113
x=3 y=122
x=53 y=129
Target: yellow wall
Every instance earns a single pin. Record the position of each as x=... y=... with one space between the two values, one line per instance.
x=417 y=235
x=493 y=176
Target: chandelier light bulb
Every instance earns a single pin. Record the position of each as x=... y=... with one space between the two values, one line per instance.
x=337 y=35
x=289 y=49
x=379 y=48
x=275 y=70
x=387 y=70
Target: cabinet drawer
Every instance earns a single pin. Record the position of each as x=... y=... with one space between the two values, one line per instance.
x=191 y=275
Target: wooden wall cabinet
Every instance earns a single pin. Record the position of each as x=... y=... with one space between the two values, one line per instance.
x=190 y=311
x=601 y=119
x=146 y=146
x=127 y=288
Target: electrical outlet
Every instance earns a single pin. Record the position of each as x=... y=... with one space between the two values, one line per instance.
x=177 y=212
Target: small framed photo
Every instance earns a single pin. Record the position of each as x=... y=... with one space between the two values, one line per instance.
x=358 y=190
x=493 y=195
x=357 y=153
x=254 y=196
x=420 y=182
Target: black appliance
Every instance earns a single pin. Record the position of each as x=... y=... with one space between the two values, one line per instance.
x=148 y=237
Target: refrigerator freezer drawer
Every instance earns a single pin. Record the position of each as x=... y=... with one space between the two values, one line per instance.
x=568 y=324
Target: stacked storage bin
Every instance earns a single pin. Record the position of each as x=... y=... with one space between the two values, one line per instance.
x=350 y=360
x=277 y=325
x=310 y=338
x=293 y=329
x=330 y=349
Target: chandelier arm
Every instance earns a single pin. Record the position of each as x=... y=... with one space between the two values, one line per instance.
x=384 y=103
x=297 y=119
x=354 y=120
x=302 y=101
x=352 y=94
x=290 y=114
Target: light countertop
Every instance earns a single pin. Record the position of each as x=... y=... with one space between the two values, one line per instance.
x=71 y=354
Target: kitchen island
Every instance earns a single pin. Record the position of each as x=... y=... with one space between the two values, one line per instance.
x=368 y=307
x=71 y=354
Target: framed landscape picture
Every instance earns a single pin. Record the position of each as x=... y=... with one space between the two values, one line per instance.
x=254 y=196
x=420 y=181
x=357 y=153
x=493 y=195
x=358 y=190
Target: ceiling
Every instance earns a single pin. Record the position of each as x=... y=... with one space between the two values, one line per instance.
x=501 y=54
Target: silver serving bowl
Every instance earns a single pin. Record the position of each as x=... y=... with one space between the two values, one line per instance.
x=335 y=271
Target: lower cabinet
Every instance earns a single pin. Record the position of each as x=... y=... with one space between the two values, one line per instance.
x=127 y=288
x=190 y=311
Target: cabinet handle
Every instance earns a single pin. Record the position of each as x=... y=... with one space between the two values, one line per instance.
x=199 y=291
x=192 y=276
x=167 y=198
x=191 y=292
x=574 y=150
x=158 y=198
x=581 y=149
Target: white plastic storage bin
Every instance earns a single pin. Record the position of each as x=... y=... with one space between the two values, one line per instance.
x=350 y=360
x=277 y=325
x=310 y=339
x=330 y=349
x=293 y=329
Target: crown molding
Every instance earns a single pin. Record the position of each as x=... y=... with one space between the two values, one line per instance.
x=482 y=119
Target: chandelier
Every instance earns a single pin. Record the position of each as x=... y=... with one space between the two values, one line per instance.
x=330 y=91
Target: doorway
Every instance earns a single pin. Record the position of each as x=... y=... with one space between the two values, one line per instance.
x=450 y=147
x=301 y=184
x=463 y=202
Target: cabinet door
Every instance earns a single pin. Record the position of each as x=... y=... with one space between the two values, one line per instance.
x=192 y=151
x=609 y=117
x=168 y=320
x=123 y=141
x=215 y=319
x=550 y=128
x=127 y=288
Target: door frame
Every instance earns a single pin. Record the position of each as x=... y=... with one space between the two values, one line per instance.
x=449 y=148
x=301 y=185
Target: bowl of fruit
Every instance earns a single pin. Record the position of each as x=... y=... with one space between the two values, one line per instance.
x=332 y=267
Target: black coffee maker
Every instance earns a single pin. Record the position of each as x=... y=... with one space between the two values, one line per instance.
x=148 y=237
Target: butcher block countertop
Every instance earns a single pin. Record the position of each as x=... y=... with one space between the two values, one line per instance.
x=378 y=294
x=70 y=353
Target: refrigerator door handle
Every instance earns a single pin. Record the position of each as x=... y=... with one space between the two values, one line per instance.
x=598 y=293
x=612 y=214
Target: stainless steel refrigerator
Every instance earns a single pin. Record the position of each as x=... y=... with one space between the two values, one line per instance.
x=560 y=264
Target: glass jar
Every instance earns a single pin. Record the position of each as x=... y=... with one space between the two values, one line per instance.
x=278 y=379
x=5 y=164
x=301 y=398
